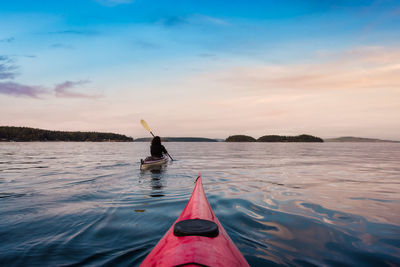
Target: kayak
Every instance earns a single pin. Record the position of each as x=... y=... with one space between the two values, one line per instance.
x=196 y=238
x=151 y=162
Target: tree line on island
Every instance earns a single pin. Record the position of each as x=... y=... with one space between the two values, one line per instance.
x=26 y=134
x=274 y=138
x=177 y=139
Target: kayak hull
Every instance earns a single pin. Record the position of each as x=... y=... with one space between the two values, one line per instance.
x=174 y=250
x=150 y=162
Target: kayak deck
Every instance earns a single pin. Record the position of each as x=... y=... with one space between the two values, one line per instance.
x=213 y=249
x=151 y=162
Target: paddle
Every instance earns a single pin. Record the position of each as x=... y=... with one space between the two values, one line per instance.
x=144 y=124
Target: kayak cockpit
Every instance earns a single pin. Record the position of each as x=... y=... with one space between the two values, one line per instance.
x=197 y=227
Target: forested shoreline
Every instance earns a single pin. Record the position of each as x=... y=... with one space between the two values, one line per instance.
x=177 y=139
x=27 y=134
x=275 y=138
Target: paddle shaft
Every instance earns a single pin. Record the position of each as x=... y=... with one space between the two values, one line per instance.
x=169 y=155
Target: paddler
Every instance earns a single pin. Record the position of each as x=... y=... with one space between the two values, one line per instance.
x=156 y=148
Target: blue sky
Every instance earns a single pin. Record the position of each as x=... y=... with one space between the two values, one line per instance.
x=202 y=68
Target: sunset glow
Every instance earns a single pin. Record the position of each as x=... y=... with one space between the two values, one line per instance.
x=201 y=68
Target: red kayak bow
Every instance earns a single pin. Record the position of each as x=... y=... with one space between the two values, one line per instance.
x=196 y=238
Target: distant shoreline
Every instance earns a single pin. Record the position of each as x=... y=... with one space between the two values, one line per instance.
x=178 y=139
x=27 y=134
x=352 y=139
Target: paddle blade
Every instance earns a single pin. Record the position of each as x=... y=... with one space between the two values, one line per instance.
x=144 y=124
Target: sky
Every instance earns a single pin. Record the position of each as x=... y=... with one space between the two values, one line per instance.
x=202 y=68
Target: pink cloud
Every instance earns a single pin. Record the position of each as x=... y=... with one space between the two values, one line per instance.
x=359 y=68
x=7 y=72
x=63 y=90
x=16 y=89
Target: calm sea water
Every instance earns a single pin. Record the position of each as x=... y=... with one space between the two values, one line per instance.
x=77 y=204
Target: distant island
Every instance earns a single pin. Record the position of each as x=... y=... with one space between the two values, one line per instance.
x=178 y=139
x=358 y=139
x=298 y=138
x=240 y=138
x=26 y=134
x=275 y=138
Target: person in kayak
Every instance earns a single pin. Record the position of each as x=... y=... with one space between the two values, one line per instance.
x=157 y=149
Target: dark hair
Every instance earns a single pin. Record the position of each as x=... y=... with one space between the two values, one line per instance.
x=156 y=141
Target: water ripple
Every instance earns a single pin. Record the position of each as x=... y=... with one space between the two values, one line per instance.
x=88 y=204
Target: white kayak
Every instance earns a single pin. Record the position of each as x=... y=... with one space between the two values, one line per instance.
x=153 y=162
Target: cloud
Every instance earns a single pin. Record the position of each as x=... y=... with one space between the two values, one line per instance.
x=74 y=32
x=208 y=56
x=7 y=40
x=146 y=45
x=63 y=46
x=16 y=89
x=174 y=21
x=19 y=55
x=204 y=19
x=6 y=68
x=28 y=56
x=7 y=72
x=359 y=68
x=111 y=3
x=195 y=19
x=62 y=90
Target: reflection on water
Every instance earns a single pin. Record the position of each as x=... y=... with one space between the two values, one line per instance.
x=155 y=176
x=288 y=204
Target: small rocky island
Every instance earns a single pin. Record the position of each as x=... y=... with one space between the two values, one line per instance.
x=275 y=138
x=26 y=134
